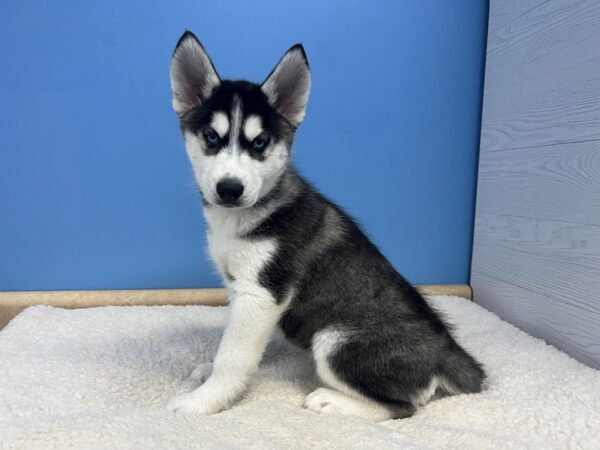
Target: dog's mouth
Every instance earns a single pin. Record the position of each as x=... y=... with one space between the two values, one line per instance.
x=246 y=201
x=210 y=200
x=231 y=205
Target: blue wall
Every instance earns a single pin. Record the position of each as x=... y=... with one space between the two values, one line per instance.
x=95 y=187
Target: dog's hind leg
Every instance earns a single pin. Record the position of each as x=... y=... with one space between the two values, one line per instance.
x=340 y=397
x=328 y=401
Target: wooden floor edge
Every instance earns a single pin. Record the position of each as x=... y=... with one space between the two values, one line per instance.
x=13 y=302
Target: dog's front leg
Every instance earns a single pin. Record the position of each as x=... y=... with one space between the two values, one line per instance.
x=254 y=314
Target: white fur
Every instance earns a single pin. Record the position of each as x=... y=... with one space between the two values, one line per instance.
x=236 y=124
x=328 y=401
x=341 y=399
x=425 y=395
x=241 y=258
x=252 y=127
x=450 y=388
x=253 y=317
x=202 y=372
x=220 y=123
x=258 y=177
x=436 y=382
x=324 y=343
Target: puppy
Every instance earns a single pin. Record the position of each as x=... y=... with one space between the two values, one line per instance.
x=291 y=258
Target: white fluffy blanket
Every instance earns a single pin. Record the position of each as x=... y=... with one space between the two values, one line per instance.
x=100 y=378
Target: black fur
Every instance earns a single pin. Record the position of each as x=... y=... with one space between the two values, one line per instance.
x=397 y=342
x=253 y=101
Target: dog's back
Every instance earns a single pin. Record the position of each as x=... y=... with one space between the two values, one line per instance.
x=383 y=339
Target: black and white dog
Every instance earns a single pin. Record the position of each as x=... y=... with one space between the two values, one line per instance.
x=291 y=258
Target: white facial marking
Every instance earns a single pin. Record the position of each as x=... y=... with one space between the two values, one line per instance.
x=252 y=127
x=236 y=122
x=258 y=177
x=220 y=123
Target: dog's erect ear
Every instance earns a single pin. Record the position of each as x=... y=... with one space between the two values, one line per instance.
x=288 y=85
x=193 y=76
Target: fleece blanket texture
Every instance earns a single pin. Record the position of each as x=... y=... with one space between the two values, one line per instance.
x=100 y=378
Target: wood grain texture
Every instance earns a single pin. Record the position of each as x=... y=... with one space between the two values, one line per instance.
x=503 y=12
x=542 y=81
x=555 y=182
x=528 y=311
x=536 y=249
x=548 y=266
x=12 y=303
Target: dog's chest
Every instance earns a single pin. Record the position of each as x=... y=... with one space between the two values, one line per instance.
x=237 y=258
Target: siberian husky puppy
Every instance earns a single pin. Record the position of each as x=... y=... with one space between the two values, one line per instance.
x=291 y=258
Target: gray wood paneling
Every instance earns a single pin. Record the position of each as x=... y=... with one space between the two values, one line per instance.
x=506 y=11
x=525 y=309
x=542 y=80
x=544 y=182
x=546 y=268
x=536 y=255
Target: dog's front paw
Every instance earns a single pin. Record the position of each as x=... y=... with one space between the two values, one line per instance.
x=202 y=372
x=185 y=402
x=191 y=403
x=201 y=401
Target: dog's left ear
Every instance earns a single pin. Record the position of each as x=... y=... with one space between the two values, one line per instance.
x=193 y=76
x=288 y=85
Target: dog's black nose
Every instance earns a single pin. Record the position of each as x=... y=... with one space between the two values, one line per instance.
x=230 y=189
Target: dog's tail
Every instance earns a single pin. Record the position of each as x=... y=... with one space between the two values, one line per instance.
x=461 y=373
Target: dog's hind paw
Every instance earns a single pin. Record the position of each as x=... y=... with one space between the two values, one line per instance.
x=321 y=401
x=327 y=401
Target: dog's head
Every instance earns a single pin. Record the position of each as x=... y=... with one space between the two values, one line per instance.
x=238 y=135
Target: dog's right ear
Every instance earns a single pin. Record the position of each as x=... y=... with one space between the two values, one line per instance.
x=193 y=76
x=288 y=85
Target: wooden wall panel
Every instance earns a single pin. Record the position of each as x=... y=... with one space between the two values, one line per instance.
x=544 y=273
x=506 y=11
x=549 y=180
x=542 y=84
x=536 y=255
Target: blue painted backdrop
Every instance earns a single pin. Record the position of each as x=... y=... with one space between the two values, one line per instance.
x=95 y=188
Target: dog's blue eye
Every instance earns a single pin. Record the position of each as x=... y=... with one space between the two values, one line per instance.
x=259 y=144
x=212 y=138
